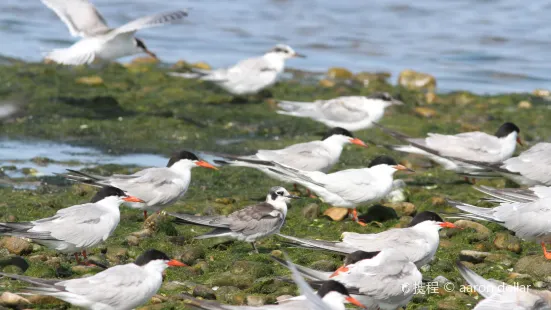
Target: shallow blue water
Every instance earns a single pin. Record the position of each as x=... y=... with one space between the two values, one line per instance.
x=485 y=46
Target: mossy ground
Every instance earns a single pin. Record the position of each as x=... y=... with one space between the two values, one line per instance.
x=140 y=109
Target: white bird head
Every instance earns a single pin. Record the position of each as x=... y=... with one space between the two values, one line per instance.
x=385 y=97
x=342 y=136
x=283 y=51
x=509 y=130
x=279 y=194
x=157 y=261
x=141 y=48
x=113 y=195
x=184 y=160
x=334 y=294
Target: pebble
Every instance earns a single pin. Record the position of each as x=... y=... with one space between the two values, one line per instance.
x=541 y=92
x=116 y=254
x=311 y=211
x=403 y=208
x=336 y=214
x=431 y=97
x=425 y=112
x=13 y=300
x=417 y=80
x=256 y=300
x=132 y=240
x=506 y=241
x=327 y=83
x=535 y=265
x=201 y=65
x=16 y=245
x=204 y=292
x=473 y=256
x=141 y=234
x=539 y=284
x=438 y=201
x=191 y=254
x=339 y=73
x=92 y=80
x=525 y=104
x=482 y=232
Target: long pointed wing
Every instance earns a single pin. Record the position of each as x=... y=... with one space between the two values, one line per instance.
x=80 y=16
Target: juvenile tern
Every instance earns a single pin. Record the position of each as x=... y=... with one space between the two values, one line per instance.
x=156 y=187
x=248 y=224
x=501 y=296
x=379 y=277
x=528 y=220
x=248 y=76
x=77 y=228
x=346 y=188
x=476 y=146
x=531 y=167
x=309 y=156
x=99 y=41
x=419 y=241
x=122 y=287
x=352 y=112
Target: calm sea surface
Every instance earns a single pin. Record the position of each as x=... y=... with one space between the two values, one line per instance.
x=482 y=46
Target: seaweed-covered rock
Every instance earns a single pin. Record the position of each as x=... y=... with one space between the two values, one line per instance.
x=506 y=241
x=16 y=245
x=535 y=265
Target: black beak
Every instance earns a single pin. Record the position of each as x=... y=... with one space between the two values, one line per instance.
x=299 y=55
x=293 y=197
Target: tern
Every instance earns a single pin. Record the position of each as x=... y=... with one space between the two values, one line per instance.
x=99 y=41
x=353 y=112
x=419 y=241
x=446 y=150
x=346 y=188
x=501 y=296
x=156 y=187
x=379 y=277
x=77 y=228
x=531 y=167
x=248 y=76
x=528 y=220
x=248 y=224
x=331 y=296
x=309 y=156
x=122 y=287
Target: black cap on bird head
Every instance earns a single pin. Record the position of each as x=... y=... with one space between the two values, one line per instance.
x=505 y=129
x=332 y=286
x=425 y=216
x=337 y=131
x=108 y=191
x=181 y=155
x=357 y=256
x=381 y=96
x=383 y=159
x=150 y=255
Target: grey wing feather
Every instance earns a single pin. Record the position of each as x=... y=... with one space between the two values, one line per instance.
x=305 y=271
x=344 y=109
x=150 y=21
x=255 y=219
x=80 y=16
x=333 y=246
x=312 y=299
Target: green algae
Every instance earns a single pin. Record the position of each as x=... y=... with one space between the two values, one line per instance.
x=140 y=109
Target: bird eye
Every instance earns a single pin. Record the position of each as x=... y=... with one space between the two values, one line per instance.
x=279 y=193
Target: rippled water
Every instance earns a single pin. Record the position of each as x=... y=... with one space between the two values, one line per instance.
x=485 y=46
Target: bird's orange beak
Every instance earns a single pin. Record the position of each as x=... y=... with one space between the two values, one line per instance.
x=355 y=302
x=519 y=141
x=176 y=263
x=338 y=271
x=132 y=199
x=448 y=225
x=204 y=164
x=358 y=142
x=403 y=168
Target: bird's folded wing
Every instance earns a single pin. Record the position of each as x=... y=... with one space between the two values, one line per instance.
x=80 y=16
x=310 y=156
x=344 y=109
x=255 y=219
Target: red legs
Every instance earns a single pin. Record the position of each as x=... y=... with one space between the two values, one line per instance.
x=354 y=213
x=545 y=253
x=84 y=255
x=144 y=215
x=77 y=259
x=295 y=187
x=472 y=180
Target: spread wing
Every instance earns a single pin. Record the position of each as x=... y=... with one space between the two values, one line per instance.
x=526 y=220
x=150 y=21
x=309 y=156
x=80 y=16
